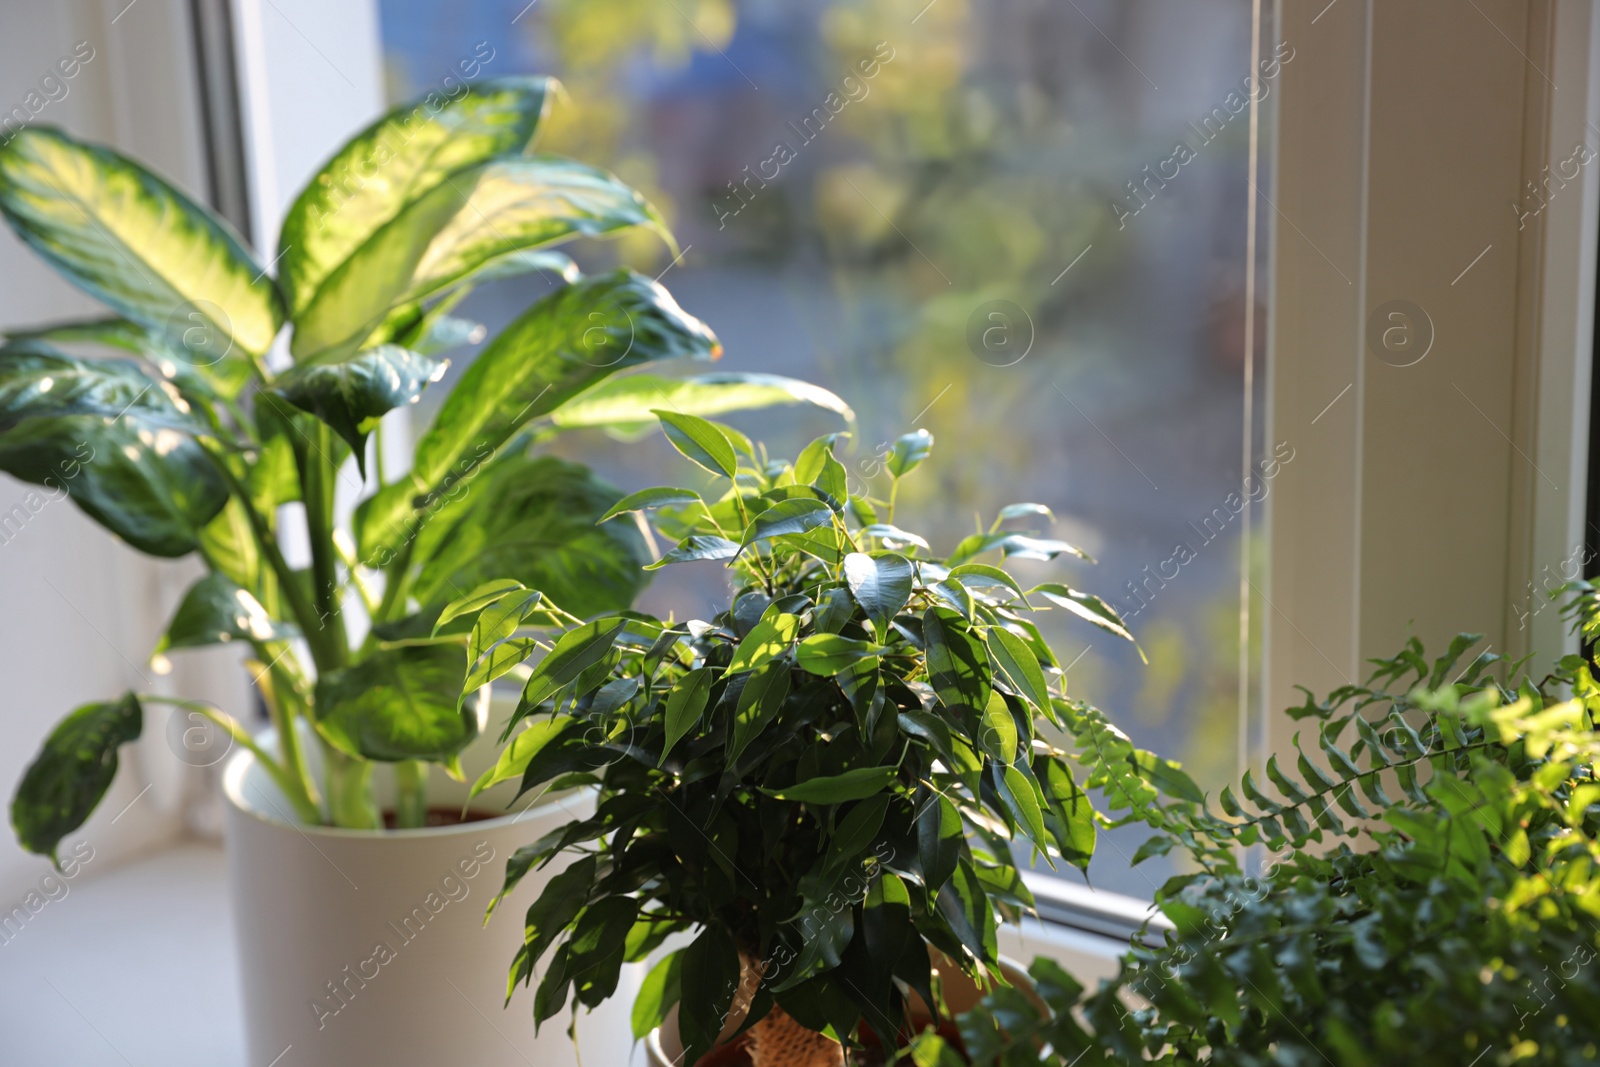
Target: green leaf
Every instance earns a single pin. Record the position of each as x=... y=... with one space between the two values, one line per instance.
x=1019 y=796
x=963 y=904
x=1019 y=511
x=352 y=395
x=908 y=453
x=1168 y=776
x=191 y=371
x=138 y=245
x=1024 y=547
x=72 y=772
x=596 y=949
x=767 y=640
x=399 y=703
x=628 y=403
x=958 y=665
x=940 y=838
x=685 y=704
x=983 y=576
x=565 y=343
x=1085 y=606
x=1016 y=661
x=664 y=496
x=657 y=994
x=702 y=443
x=37 y=381
x=518 y=205
x=858 y=784
x=535 y=521
x=997 y=730
x=351 y=242
x=699 y=546
x=711 y=969
x=515 y=757
x=759 y=703
x=1074 y=815
x=550 y=915
x=787 y=517
x=490 y=592
x=828 y=654
x=892 y=534
x=216 y=610
x=880 y=584
x=155 y=488
x=858 y=829
x=578 y=649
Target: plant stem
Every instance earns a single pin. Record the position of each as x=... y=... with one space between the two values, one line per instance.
x=284 y=706
x=411 y=801
x=299 y=606
x=396 y=582
x=350 y=801
x=286 y=782
x=316 y=485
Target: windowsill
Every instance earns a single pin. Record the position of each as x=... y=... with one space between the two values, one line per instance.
x=138 y=965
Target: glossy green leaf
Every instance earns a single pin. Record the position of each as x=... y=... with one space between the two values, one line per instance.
x=38 y=381
x=858 y=829
x=908 y=453
x=552 y=912
x=353 y=394
x=628 y=402
x=578 y=649
x=490 y=592
x=565 y=343
x=398 y=703
x=983 y=576
x=1017 y=663
x=73 y=770
x=881 y=585
x=769 y=639
x=1086 y=606
x=965 y=907
x=664 y=496
x=858 y=784
x=1020 y=511
x=958 y=664
x=1018 y=794
x=997 y=730
x=137 y=244
x=534 y=521
x=353 y=237
x=685 y=704
x=702 y=443
x=828 y=654
x=696 y=548
x=191 y=371
x=894 y=535
x=940 y=837
x=515 y=757
x=759 y=703
x=1073 y=822
x=787 y=517
x=216 y=610
x=153 y=487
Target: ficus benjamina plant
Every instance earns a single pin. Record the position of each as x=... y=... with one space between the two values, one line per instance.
x=216 y=419
x=821 y=782
x=1416 y=882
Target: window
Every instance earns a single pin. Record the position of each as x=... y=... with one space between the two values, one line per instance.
x=1021 y=225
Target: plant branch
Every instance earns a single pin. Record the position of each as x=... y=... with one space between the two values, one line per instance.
x=280 y=775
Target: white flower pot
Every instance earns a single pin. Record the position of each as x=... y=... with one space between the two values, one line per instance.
x=364 y=947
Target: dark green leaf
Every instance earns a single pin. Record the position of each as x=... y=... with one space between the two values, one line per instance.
x=685 y=704
x=699 y=546
x=958 y=665
x=552 y=913
x=352 y=395
x=595 y=950
x=787 y=517
x=710 y=970
x=759 y=702
x=858 y=784
x=72 y=772
x=647 y=499
x=578 y=649
x=216 y=610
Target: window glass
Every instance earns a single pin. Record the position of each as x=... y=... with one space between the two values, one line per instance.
x=1020 y=224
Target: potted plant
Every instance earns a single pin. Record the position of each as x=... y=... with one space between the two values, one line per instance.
x=1429 y=891
x=818 y=787
x=197 y=444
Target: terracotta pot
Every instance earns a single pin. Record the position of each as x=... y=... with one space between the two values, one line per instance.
x=664 y=1049
x=361 y=947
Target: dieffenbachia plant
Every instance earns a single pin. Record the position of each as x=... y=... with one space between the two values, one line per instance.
x=820 y=782
x=198 y=442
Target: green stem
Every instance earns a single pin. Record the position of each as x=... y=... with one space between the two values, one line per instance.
x=316 y=484
x=286 y=782
x=350 y=800
x=411 y=800
x=304 y=614
x=280 y=689
x=397 y=581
